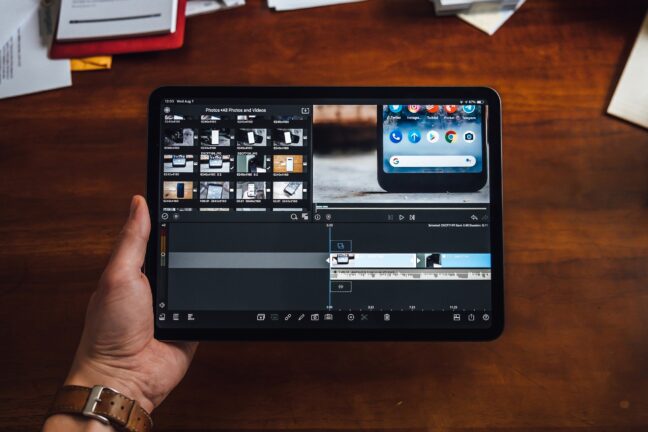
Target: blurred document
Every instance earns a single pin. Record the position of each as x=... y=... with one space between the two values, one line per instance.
x=489 y=17
x=14 y=13
x=98 y=19
x=630 y=100
x=24 y=64
x=285 y=5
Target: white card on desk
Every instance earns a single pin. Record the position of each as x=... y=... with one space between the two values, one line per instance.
x=630 y=99
x=101 y=19
x=24 y=64
x=489 y=17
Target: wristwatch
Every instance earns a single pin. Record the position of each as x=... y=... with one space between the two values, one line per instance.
x=103 y=404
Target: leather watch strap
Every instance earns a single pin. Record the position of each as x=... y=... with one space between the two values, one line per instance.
x=103 y=404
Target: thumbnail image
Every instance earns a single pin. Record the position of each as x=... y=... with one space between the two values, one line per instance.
x=342 y=258
x=221 y=137
x=171 y=117
x=345 y=161
x=288 y=190
x=177 y=190
x=178 y=163
x=288 y=137
x=433 y=260
x=180 y=137
x=288 y=164
x=215 y=162
x=214 y=190
x=251 y=162
x=250 y=190
x=289 y=117
x=247 y=118
x=251 y=137
x=209 y=118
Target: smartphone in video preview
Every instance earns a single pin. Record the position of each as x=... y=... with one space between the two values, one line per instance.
x=251 y=190
x=291 y=188
x=290 y=138
x=433 y=148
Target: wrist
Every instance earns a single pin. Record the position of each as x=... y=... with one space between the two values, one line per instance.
x=89 y=373
x=69 y=423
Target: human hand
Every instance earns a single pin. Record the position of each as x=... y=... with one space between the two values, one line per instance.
x=117 y=348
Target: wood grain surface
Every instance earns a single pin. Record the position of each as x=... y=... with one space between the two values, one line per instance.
x=574 y=355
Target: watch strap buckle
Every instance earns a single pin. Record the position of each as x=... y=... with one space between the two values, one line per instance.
x=103 y=404
x=91 y=404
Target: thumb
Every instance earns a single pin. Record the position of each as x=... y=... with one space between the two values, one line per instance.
x=130 y=250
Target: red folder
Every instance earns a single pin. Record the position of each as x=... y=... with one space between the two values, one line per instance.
x=61 y=50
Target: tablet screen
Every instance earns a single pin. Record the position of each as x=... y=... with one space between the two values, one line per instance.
x=281 y=219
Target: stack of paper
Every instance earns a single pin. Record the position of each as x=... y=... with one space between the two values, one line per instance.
x=449 y=7
x=24 y=65
x=285 y=5
x=197 y=7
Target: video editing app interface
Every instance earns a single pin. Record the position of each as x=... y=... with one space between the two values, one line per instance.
x=272 y=215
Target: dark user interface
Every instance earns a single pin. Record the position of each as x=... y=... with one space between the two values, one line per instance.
x=271 y=215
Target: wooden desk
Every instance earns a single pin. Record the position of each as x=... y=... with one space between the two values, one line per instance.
x=574 y=354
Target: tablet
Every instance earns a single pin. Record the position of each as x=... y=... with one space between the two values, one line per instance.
x=347 y=213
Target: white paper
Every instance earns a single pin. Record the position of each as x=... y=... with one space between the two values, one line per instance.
x=286 y=5
x=24 y=64
x=630 y=100
x=97 y=19
x=487 y=17
x=14 y=13
x=197 y=7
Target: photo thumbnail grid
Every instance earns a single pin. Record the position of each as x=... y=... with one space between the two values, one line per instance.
x=235 y=163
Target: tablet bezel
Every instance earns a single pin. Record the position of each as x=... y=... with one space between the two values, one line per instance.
x=320 y=94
